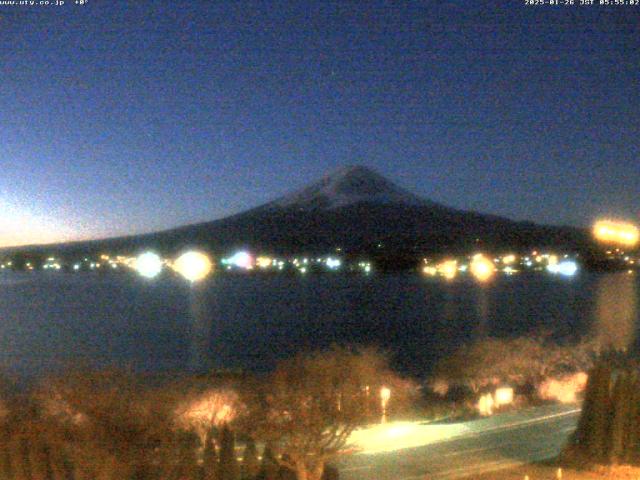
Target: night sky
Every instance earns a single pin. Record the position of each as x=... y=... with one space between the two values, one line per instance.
x=125 y=117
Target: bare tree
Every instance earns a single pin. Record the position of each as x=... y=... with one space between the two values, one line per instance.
x=202 y=411
x=518 y=360
x=110 y=426
x=312 y=403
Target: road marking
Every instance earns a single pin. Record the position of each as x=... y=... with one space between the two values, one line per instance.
x=533 y=420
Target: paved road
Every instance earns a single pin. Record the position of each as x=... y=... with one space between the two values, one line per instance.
x=413 y=451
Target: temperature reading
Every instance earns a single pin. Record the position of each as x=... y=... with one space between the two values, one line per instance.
x=81 y=2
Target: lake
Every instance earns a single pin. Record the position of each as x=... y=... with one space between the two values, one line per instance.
x=51 y=321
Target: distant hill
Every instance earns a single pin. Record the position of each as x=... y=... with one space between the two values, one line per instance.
x=354 y=209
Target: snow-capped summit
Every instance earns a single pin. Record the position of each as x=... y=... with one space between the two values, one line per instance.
x=346 y=186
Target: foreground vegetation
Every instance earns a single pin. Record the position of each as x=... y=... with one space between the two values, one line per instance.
x=532 y=370
x=290 y=424
x=516 y=361
x=113 y=426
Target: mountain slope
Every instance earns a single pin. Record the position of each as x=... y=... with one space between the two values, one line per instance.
x=357 y=210
x=348 y=186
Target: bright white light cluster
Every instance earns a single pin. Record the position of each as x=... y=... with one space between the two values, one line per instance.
x=149 y=265
x=193 y=266
x=240 y=259
x=567 y=268
x=333 y=263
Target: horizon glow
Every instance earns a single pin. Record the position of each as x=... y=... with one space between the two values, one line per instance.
x=19 y=226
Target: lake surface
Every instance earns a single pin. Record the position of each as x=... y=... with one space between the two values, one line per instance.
x=49 y=321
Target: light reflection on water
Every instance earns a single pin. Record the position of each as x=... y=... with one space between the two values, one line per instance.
x=201 y=325
x=482 y=304
x=47 y=320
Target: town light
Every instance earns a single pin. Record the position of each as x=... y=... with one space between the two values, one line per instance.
x=509 y=259
x=148 y=265
x=614 y=232
x=448 y=269
x=481 y=267
x=333 y=263
x=431 y=271
x=567 y=268
x=193 y=266
x=264 y=262
x=241 y=260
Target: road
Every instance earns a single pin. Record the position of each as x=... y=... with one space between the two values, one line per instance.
x=415 y=451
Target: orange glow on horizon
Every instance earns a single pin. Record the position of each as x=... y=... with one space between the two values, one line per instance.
x=615 y=232
x=20 y=227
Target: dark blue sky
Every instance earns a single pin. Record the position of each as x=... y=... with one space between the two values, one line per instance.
x=124 y=117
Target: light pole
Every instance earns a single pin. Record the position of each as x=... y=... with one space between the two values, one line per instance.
x=385 y=394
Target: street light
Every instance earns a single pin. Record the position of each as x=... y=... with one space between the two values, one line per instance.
x=448 y=269
x=193 y=266
x=482 y=268
x=148 y=265
x=385 y=394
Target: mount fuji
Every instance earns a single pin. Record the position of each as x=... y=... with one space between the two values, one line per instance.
x=349 y=186
x=353 y=209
